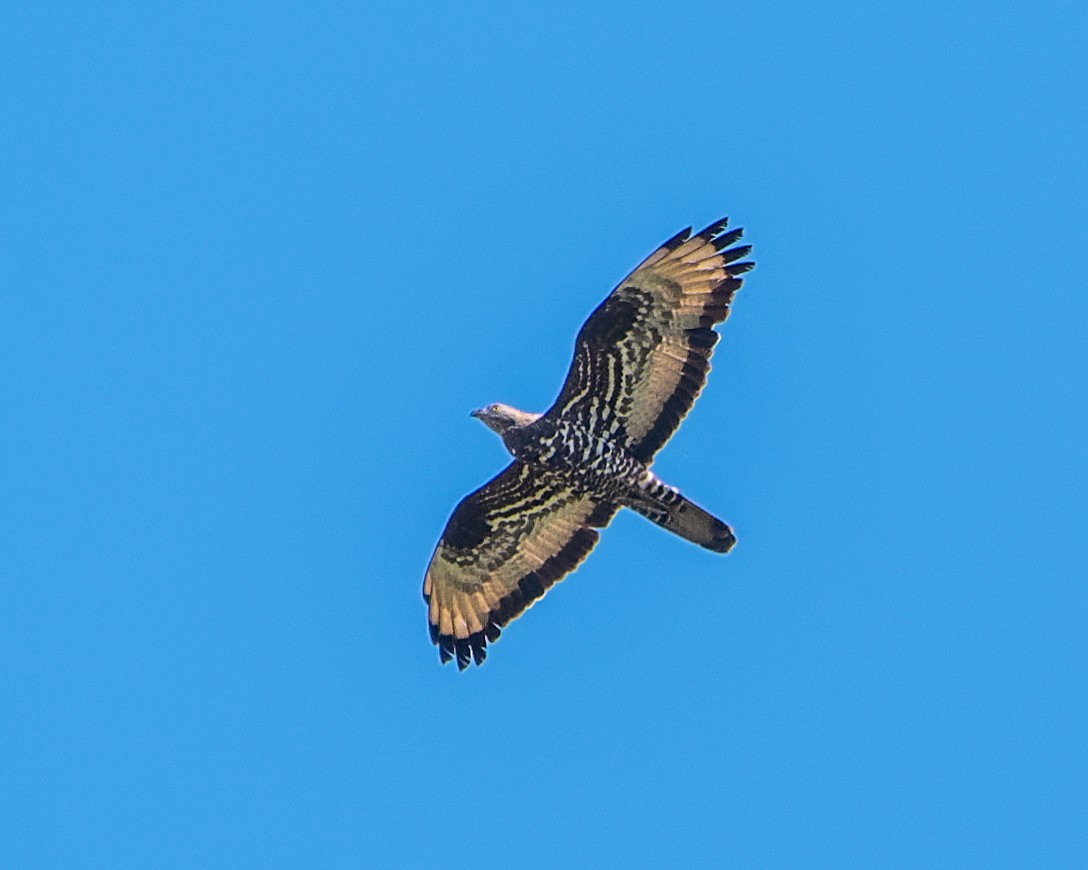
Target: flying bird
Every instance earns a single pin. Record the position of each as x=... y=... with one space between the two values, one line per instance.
x=640 y=361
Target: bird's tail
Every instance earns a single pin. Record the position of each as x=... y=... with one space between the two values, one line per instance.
x=665 y=506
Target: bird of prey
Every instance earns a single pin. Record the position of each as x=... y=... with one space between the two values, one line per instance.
x=640 y=361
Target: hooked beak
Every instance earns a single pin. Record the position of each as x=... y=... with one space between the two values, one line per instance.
x=478 y=413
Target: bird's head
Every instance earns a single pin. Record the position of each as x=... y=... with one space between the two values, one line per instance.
x=499 y=417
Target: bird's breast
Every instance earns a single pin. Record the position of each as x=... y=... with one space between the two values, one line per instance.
x=597 y=462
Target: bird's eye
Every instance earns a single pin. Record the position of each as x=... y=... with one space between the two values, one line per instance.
x=494 y=409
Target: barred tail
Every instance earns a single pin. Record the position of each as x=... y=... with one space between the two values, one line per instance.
x=665 y=506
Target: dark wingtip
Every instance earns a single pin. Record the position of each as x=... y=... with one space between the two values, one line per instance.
x=464 y=653
x=445 y=648
x=735 y=253
x=478 y=644
x=713 y=229
x=677 y=240
x=726 y=239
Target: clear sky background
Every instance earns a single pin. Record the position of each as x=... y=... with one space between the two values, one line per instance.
x=258 y=263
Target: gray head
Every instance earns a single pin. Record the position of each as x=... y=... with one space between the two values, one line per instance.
x=499 y=418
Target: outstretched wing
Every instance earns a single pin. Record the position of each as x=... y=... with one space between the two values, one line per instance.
x=503 y=547
x=642 y=358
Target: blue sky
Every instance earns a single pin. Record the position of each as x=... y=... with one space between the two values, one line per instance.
x=260 y=260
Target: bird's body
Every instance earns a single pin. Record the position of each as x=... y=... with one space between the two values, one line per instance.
x=640 y=361
x=586 y=459
x=598 y=466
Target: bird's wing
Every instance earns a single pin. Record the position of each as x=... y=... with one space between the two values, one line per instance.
x=503 y=547
x=642 y=357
